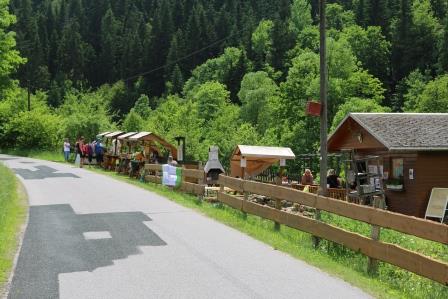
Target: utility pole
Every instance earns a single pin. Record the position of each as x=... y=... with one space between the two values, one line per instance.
x=323 y=113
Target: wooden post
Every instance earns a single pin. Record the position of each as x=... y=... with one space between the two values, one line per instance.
x=323 y=114
x=278 y=202
x=201 y=181
x=372 y=264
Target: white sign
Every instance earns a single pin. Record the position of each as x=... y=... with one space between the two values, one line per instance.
x=243 y=162
x=282 y=162
x=411 y=174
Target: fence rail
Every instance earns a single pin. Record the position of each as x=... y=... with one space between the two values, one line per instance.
x=390 y=253
x=153 y=175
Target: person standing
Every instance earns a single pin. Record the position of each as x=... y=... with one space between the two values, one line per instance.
x=99 y=152
x=66 y=149
x=80 y=149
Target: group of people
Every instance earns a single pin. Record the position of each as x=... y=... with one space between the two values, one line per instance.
x=84 y=150
x=333 y=180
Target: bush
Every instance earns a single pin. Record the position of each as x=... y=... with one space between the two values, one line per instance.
x=35 y=129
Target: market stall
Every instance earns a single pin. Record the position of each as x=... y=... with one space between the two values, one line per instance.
x=249 y=161
x=125 y=154
x=149 y=147
x=113 y=146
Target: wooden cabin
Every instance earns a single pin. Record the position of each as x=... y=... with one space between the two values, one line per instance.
x=413 y=151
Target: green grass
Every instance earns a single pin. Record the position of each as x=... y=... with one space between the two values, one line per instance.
x=12 y=215
x=390 y=282
x=37 y=154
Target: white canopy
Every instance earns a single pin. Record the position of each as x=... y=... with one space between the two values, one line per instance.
x=127 y=135
x=264 y=152
x=114 y=134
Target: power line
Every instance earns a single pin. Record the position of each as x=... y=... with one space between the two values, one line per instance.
x=185 y=57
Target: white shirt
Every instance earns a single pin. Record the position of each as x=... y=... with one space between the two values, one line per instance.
x=66 y=146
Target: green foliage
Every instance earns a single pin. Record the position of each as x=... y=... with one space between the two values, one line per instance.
x=177 y=117
x=338 y=18
x=210 y=97
x=9 y=56
x=259 y=96
x=413 y=86
x=85 y=114
x=142 y=106
x=356 y=105
x=371 y=48
x=262 y=43
x=35 y=129
x=227 y=69
x=300 y=16
x=133 y=122
x=434 y=97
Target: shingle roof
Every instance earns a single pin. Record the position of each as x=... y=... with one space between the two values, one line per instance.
x=406 y=131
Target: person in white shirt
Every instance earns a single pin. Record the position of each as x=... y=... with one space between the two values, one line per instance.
x=66 y=149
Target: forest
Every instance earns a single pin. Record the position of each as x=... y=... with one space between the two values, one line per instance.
x=221 y=72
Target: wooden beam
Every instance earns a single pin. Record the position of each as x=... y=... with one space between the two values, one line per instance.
x=157 y=167
x=232 y=183
x=153 y=179
x=192 y=188
x=193 y=173
x=418 y=227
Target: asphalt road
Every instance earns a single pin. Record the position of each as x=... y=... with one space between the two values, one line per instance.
x=89 y=236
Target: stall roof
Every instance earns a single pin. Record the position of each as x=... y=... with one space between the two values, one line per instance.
x=139 y=136
x=127 y=135
x=264 y=152
x=114 y=134
x=103 y=134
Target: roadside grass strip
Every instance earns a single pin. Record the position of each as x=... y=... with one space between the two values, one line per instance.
x=12 y=216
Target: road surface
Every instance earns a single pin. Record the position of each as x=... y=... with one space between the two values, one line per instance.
x=90 y=236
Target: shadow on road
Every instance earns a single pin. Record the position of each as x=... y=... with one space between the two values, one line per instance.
x=42 y=172
x=59 y=241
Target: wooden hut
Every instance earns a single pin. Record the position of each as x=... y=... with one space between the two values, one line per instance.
x=413 y=153
x=256 y=159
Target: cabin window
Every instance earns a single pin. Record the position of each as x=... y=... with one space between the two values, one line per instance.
x=397 y=168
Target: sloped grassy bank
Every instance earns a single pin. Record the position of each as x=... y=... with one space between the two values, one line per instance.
x=12 y=215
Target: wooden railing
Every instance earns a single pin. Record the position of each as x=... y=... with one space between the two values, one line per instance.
x=386 y=252
x=336 y=193
x=153 y=173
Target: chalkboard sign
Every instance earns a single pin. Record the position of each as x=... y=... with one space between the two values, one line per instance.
x=437 y=205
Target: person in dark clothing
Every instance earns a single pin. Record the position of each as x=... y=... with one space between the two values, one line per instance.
x=99 y=152
x=333 y=180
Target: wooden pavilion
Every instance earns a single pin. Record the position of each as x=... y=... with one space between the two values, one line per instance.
x=249 y=160
x=412 y=149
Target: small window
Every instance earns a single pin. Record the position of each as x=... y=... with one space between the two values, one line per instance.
x=397 y=168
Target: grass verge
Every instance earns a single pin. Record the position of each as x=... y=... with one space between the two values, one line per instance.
x=37 y=154
x=390 y=282
x=12 y=215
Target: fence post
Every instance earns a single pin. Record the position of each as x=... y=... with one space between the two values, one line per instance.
x=372 y=264
x=278 y=202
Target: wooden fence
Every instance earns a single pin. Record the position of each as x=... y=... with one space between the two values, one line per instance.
x=153 y=173
x=336 y=193
x=386 y=252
